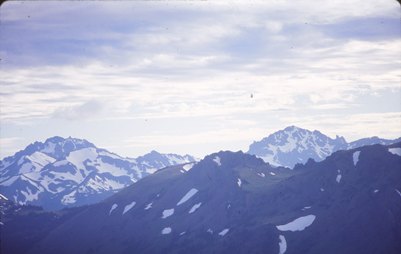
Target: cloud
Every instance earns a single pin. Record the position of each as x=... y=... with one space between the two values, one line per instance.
x=10 y=145
x=80 y=112
x=130 y=61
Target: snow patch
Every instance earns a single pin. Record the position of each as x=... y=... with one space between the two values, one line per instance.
x=195 y=207
x=399 y=193
x=224 y=232
x=272 y=173
x=306 y=208
x=282 y=244
x=355 y=157
x=376 y=191
x=60 y=163
x=182 y=233
x=217 y=160
x=182 y=171
x=321 y=189
x=168 y=213
x=148 y=206
x=396 y=151
x=166 y=231
x=298 y=224
x=41 y=159
x=9 y=181
x=261 y=174
x=3 y=197
x=113 y=207
x=187 y=196
x=209 y=230
x=128 y=207
x=78 y=157
x=338 y=178
x=69 y=198
x=239 y=182
x=188 y=166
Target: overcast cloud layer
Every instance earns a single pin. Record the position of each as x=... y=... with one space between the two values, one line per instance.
x=178 y=76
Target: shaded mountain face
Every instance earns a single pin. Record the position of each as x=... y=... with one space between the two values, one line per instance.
x=296 y=145
x=22 y=226
x=235 y=203
x=71 y=172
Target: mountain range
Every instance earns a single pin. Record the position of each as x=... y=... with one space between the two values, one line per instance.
x=64 y=172
x=295 y=145
x=232 y=202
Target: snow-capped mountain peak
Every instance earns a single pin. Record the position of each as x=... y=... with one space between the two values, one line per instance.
x=295 y=145
x=68 y=171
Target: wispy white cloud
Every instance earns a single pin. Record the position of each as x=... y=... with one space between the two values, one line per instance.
x=124 y=62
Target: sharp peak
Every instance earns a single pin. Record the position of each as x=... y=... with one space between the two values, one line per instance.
x=69 y=138
x=153 y=152
x=226 y=153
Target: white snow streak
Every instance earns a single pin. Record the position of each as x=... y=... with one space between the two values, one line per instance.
x=195 y=207
x=376 y=191
x=261 y=174
x=355 y=157
x=272 y=173
x=399 y=193
x=148 y=206
x=239 y=182
x=298 y=224
x=166 y=231
x=224 y=232
x=217 y=160
x=282 y=244
x=129 y=206
x=396 y=151
x=78 y=157
x=338 y=178
x=168 y=213
x=112 y=208
x=187 y=196
x=3 y=197
x=188 y=166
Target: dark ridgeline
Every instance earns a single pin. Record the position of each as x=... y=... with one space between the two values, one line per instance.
x=232 y=203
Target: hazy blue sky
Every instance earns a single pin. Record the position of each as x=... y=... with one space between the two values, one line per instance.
x=178 y=76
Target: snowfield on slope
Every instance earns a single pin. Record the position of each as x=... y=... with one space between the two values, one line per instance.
x=113 y=207
x=282 y=244
x=167 y=213
x=355 y=157
x=187 y=196
x=166 y=231
x=195 y=207
x=224 y=232
x=188 y=166
x=396 y=151
x=338 y=178
x=217 y=160
x=129 y=206
x=298 y=224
